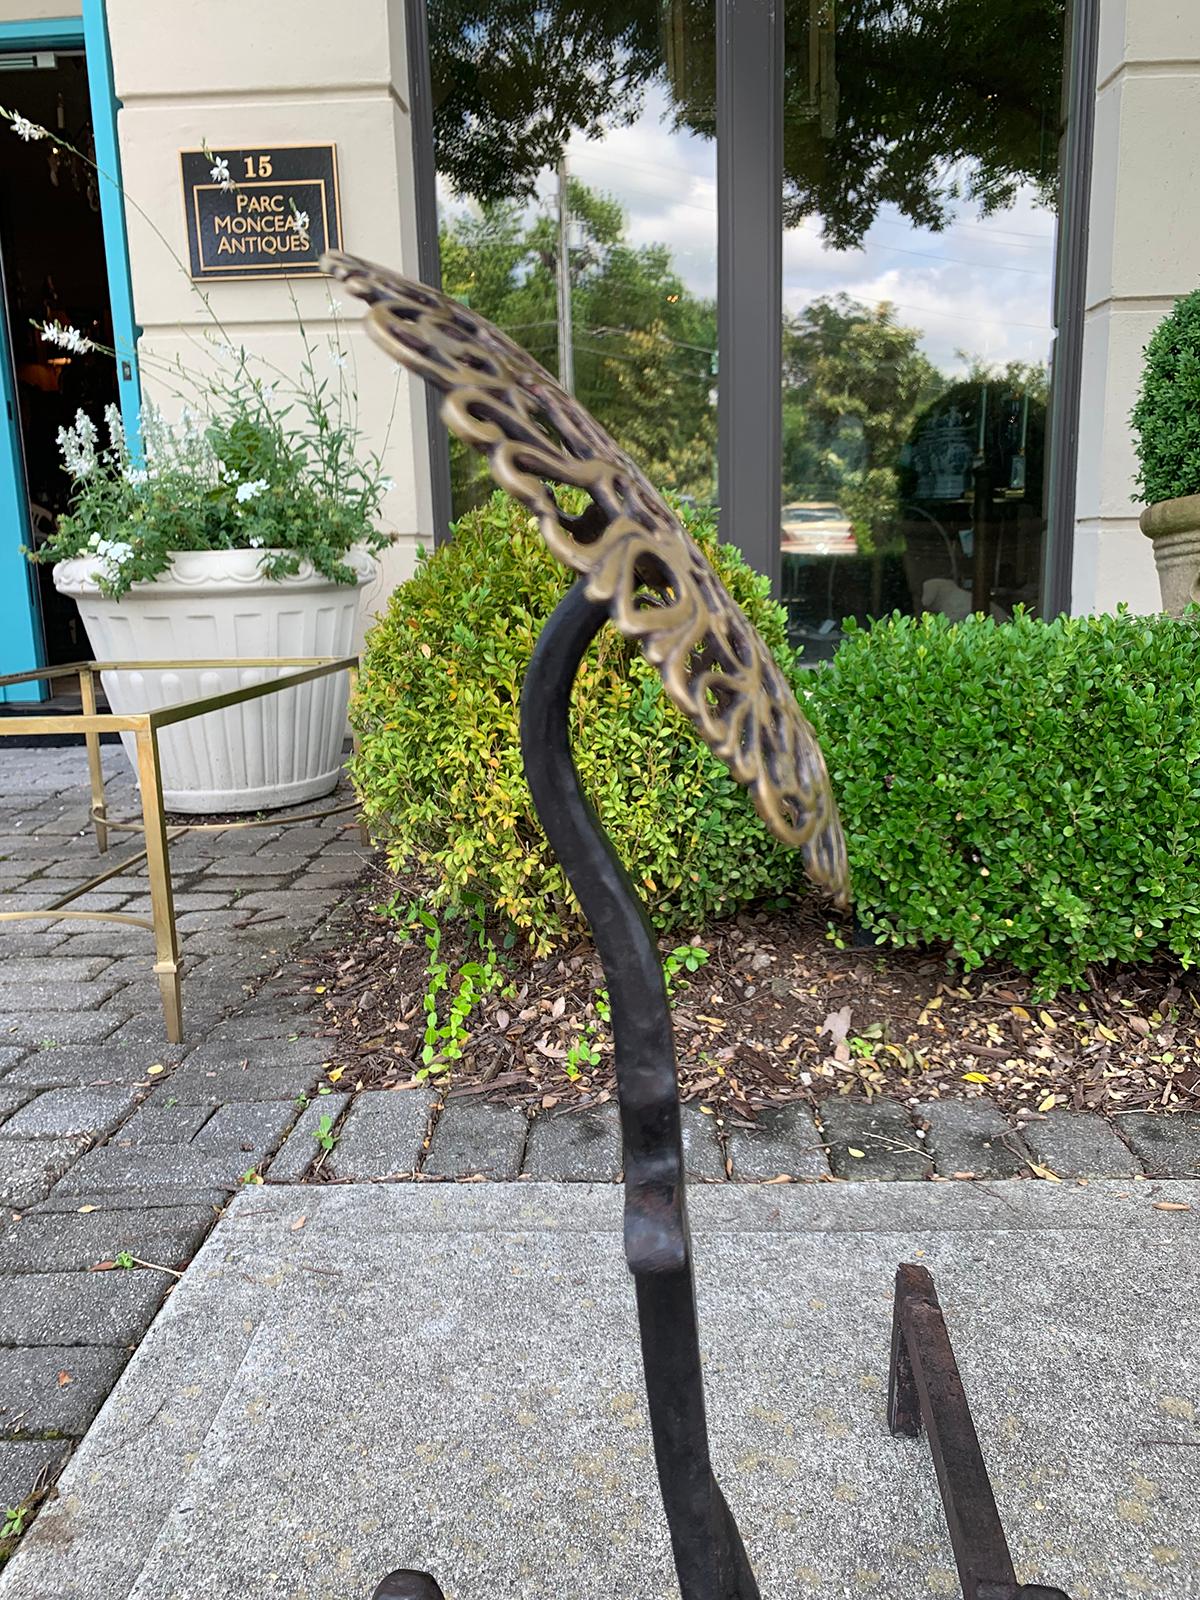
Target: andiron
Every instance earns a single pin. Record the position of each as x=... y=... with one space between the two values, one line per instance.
x=638 y=570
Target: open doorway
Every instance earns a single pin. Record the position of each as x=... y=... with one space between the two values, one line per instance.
x=54 y=270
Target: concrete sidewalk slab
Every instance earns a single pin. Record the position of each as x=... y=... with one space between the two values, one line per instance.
x=448 y=1377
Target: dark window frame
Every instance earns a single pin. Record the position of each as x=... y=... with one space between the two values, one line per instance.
x=750 y=45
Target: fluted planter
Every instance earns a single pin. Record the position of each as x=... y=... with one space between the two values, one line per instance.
x=280 y=750
x=1174 y=527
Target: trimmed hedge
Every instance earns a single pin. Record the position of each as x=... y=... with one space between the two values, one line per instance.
x=1029 y=792
x=1166 y=418
x=439 y=769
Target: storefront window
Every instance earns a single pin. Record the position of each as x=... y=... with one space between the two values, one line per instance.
x=577 y=209
x=920 y=194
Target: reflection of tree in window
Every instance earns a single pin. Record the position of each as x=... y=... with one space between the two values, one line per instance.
x=854 y=381
x=920 y=104
x=643 y=343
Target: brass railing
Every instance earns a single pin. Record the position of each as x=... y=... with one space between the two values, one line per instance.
x=145 y=727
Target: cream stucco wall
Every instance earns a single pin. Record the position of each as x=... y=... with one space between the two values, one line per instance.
x=275 y=72
x=38 y=10
x=1144 y=251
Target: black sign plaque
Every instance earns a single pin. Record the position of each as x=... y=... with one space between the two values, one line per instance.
x=268 y=211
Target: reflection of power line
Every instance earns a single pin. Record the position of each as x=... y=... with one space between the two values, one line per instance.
x=1002 y=235
x=636 y=361
x=646 y=333
x=930 y=311
x=669 y=204
x=1044 y=240
x=959 y=261
x=633 y=166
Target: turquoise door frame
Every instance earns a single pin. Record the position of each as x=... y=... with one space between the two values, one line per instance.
x=21 y=642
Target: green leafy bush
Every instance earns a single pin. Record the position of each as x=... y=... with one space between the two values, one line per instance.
x=439 y=769
x=1166 y=418
x=1029 y=793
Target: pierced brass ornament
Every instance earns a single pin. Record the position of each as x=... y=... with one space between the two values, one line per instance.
x=634 y=556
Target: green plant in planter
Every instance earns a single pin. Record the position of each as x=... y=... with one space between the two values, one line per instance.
x=260 y=458
x=254 y=469
x=439 y=770
x=1166 y=418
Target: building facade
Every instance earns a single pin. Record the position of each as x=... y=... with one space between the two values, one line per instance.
x=1001 y=284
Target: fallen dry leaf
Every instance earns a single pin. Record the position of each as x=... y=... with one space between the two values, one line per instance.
x=1044 y=1172
x=836 y=1025
x=1171 y=1205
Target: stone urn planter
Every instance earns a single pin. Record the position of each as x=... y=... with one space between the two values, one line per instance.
x=1174 y=528
x=280 y=750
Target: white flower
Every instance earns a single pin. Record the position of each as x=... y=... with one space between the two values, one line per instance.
x=219 y=173
x=78 y=446
x=247 y=491
x=66 y=338
x=386 y=485
x=255 y=541
x=300 y=219
x=116 y=428
x=338 y=359
x=136 y=476
x=24 y=129
x=94 y=542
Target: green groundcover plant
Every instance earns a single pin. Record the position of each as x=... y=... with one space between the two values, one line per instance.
x=439 y=769
x=1028 y=793
x=1166 y=419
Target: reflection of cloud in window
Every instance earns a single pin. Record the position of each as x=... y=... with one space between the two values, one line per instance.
x=982 y=286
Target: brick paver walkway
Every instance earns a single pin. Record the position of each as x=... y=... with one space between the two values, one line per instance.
x=113 y=1144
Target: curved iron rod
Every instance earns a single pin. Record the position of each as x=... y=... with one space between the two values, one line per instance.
x=709 y=1557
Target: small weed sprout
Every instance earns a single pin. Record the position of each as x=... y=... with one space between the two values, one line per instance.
x=684 y=958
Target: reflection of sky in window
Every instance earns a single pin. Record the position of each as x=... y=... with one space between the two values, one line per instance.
x=982 y=286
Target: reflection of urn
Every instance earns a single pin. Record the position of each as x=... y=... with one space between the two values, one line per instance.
x=1174 y=528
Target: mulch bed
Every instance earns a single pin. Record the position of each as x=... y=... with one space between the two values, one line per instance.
x=778 y=1013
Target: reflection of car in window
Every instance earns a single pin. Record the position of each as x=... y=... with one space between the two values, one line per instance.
x=817 y=528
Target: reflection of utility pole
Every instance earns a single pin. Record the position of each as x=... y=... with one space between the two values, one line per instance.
x=566 y=349
x=981 y=517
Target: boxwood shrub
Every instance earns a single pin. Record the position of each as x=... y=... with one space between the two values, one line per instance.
x=1028 y=792
x=1166 y=419
x=439 y=769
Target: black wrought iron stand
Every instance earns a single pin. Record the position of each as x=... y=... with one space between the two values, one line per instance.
x=642 y=572
x=710 y=1559
x=924 y=1386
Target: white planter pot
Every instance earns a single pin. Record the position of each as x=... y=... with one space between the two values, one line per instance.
x=280 y=750
x=1174 y=528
